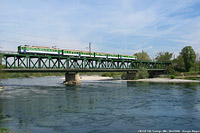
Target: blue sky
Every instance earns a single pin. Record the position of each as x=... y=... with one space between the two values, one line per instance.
x=113 y=26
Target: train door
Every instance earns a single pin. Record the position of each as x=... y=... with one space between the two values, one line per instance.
x=24 y=49
x=58 y=52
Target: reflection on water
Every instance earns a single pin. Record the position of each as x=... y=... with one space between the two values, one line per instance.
x=46 y=105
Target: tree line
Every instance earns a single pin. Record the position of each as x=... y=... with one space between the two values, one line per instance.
x=186 y=61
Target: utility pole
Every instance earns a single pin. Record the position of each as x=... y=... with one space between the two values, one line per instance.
x=90 y=48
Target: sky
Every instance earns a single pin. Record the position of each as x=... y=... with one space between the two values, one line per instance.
x=112 y=26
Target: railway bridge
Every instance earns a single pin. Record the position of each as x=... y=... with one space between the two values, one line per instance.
x=15 y=62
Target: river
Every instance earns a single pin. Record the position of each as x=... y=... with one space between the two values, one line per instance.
x=46 y=105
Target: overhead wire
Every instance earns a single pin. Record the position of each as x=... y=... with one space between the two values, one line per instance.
x=66 y=47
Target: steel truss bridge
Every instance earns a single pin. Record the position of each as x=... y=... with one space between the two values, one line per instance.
x=48 y=63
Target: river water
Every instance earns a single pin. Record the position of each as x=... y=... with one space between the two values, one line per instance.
x=46 y=105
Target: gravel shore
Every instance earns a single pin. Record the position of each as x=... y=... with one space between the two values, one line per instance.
x=93 y=78
x=164 y=80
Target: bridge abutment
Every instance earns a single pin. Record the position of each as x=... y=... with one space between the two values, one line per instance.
x=72 y=78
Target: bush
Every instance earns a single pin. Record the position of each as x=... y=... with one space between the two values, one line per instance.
x=170 y=70
x=143 y=73
x=123 y=76
x=4 y=130
x=172 y=76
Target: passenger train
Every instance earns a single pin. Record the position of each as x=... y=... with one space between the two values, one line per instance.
x=26 y=49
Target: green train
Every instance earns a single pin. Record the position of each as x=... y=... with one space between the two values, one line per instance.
x=26 y=49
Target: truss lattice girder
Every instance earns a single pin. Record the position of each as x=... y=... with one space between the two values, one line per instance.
x=16 y=61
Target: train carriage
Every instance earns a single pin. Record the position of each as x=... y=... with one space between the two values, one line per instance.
x=26 y=49
x=39 y=50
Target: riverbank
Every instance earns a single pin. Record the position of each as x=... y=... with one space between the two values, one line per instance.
x=166 y=80
x=93 y=78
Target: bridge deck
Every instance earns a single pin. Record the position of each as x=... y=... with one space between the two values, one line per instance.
x=75 y=70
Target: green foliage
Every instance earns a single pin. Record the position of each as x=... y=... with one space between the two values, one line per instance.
x=189 y=57
x=170 y=70
x=192 y=78
x=142 y=56
x=179 y=64
x=143 y=73
x=164 y=57
x=172 y=76
x=28 y=75
x=4 y=130
x=2 y=74
x=111 y=74
x=196 y=66
x=123 y=75
x=134 y=78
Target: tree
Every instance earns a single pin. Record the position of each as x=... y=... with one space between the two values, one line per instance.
x=143 y=73
x=179 y=64
x=197 y=64
x=189 y=57
x=164 y=57
x=142 y=56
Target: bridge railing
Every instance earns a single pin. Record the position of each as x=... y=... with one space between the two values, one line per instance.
x=8 y=52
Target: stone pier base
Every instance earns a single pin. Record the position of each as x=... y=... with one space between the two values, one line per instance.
x=131 y=75
x=72 y=78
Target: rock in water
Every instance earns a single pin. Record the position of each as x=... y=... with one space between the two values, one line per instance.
x=1 y=87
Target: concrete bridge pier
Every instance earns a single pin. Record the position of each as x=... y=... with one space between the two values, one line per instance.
x=72 y=78
x=131 y=75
